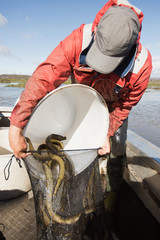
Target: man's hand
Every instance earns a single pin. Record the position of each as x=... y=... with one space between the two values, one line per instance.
x=17 y=142
x=105 y=148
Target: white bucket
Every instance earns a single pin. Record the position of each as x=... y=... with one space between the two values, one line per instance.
x=77 y=112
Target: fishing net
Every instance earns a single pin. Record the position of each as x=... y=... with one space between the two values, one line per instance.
x=67 y=204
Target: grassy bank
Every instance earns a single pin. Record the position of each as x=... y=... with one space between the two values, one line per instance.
x=154 y=83
x=14 y=80
x=20 y=81
x=17 y=80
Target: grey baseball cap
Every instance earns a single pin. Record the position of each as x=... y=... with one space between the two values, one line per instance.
x=117 y=33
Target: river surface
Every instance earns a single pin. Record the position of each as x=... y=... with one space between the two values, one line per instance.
x=144 y=119
x=9 y=95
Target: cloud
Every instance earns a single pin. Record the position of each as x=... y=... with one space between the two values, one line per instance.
x=27 y=19
x=4 y=50
x=156 y=67
x=3 y=20
x=36 y=62
x=156 y=58
x=32 y=35
x=157 y=45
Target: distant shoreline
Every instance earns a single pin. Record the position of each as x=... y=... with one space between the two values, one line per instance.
x=154 y=84
x=11 y=79
x=21 y=80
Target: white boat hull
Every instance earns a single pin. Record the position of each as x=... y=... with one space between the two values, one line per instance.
x=18 y=181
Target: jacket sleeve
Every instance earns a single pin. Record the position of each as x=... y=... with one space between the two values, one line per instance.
x=48 y=76
x=123 y=106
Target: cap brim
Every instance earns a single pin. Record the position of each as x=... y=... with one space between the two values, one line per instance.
x=101 y=62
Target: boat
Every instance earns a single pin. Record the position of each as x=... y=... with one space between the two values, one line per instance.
x=142 y=174
x=143 y=171
x=14 y=180
x=67 y=187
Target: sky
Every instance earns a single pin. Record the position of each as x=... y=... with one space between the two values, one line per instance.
x=30 y=30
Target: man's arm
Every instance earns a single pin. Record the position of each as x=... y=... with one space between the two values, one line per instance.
x=123 y=106
x=42 y=81
x=48 y=76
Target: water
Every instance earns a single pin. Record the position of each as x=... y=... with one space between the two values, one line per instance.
x=144 y=118
x=9 y=95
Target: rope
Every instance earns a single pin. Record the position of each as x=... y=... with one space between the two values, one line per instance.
x=8 y=166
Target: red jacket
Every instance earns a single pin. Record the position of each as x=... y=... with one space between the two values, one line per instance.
x=64 y=61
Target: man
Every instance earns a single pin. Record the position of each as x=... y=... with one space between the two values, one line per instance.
x=106 y=55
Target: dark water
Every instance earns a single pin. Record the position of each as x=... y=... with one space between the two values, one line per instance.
x=144 y=119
